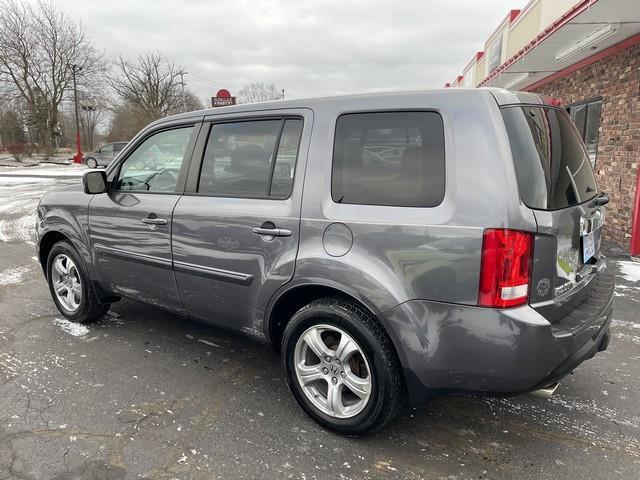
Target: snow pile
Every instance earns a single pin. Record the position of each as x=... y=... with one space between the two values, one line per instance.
x=75 y=329
x=11 y=276
x=630 y=270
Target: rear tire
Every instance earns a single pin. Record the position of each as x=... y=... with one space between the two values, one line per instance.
x=70 y=286
x=369 y=382
x=92 y=162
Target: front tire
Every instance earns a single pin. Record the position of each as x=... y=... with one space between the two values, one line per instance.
x=341 y=367
x=92 y=162
x=70 y=286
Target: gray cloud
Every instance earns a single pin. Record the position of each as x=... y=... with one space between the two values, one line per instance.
x=308 y=47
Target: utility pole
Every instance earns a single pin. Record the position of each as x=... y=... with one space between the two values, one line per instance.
x=78 y=156
x=184 y=102
x=283 y=94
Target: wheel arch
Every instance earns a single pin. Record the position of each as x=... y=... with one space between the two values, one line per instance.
x=47 y=242
x=288 y=301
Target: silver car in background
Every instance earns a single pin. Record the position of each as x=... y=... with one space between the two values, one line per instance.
x=104 y=155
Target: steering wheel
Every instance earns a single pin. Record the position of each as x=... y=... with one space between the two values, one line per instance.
x=163 y=181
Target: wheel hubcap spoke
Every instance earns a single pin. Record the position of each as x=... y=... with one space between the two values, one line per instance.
x=310 y=374
x=332 y=371
x=360 y=386
x=345 y=349
x=334 y=399
x=316 y=344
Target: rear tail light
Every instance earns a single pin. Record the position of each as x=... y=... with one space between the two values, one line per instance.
x=505 y=270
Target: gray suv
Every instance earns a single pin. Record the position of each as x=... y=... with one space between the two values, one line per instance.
x=391 y=246
x=104 y=155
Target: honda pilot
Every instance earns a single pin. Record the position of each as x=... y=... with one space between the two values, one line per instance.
x=391 y=247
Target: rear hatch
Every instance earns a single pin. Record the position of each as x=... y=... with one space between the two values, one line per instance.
x=555 y=177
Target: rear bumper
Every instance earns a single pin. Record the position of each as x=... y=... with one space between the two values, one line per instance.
x=447 y=347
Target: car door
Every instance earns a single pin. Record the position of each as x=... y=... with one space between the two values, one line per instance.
x=105 y=154
x=236 y=228
x=130 y=225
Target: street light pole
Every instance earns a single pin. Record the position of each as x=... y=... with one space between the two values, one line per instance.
x=78 y=156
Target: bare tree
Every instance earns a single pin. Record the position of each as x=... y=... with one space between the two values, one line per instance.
x=38 y=46
x=152 y=85
x=259 y=92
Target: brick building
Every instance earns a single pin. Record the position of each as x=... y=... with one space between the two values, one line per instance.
x=588 y=56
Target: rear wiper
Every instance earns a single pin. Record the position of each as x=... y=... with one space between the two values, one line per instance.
x=601 y=199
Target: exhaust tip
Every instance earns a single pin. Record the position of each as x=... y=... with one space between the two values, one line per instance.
x=545 y=392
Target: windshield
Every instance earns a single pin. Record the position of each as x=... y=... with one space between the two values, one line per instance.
x=552 y=164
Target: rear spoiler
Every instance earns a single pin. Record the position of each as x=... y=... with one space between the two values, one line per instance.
x=507 y=97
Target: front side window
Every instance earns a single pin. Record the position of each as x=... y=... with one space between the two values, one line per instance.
x=586 y=116
x=155 y=164
x=251 y=158
x=389 y=158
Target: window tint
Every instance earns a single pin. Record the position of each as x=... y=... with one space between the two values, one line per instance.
x=282 y=181
x=586 y=116
x=552 y=164
x=117 y=147
x=391 y=158
x=155 y=164
x=107 y=149
x=239 y=158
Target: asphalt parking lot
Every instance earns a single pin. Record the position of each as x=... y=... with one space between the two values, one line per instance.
x=146 y=394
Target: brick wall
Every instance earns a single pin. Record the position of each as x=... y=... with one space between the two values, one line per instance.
x=617 y=80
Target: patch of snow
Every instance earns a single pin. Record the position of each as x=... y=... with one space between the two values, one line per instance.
x=21 y=228
x=46 y=172
x=630 y=270
x=72 y=328
x=211 y=344
x=11 y=276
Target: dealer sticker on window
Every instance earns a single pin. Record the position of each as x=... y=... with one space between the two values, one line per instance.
x=588 y=247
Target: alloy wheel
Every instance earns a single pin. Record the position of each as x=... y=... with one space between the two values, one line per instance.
x=66 y=282
x=333 y=371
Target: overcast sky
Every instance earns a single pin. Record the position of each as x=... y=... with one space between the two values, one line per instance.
x=307 y=47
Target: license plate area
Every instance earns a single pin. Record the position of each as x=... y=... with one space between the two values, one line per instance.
x=590 y=243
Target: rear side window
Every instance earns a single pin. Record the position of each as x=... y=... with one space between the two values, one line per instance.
x=389 y=158
x=253 y=159
x=552 y=164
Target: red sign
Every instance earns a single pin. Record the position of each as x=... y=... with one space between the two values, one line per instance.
x=223 y=98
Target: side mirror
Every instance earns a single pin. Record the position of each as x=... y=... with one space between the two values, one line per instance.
x=94 y=182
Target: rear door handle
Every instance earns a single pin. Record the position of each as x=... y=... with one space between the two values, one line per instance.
x=154 y=221
x=272 y=232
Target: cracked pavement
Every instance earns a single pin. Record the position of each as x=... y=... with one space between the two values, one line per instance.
x=147 y=394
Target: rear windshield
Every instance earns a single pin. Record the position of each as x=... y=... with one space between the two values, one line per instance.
x=552 y=164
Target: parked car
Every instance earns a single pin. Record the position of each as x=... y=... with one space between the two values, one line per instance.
x=392 y=247
x=104 y=155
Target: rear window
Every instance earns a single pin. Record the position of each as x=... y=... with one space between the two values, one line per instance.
x=552 y=164
x=389 y=158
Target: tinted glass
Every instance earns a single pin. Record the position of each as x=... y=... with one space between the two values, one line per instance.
x=238 y=159
x=552 y=164
x=391 y=158
x=107 y=149
x=592 y=130
x=282 y=181
x=117 y=147
x=579 y=116
x=155 y=164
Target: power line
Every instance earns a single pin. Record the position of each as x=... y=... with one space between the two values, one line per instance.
x=207 y=79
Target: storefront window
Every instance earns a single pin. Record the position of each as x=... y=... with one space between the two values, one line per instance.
x=586 y=116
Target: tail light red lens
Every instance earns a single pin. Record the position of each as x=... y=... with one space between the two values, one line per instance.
x=505 y=270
